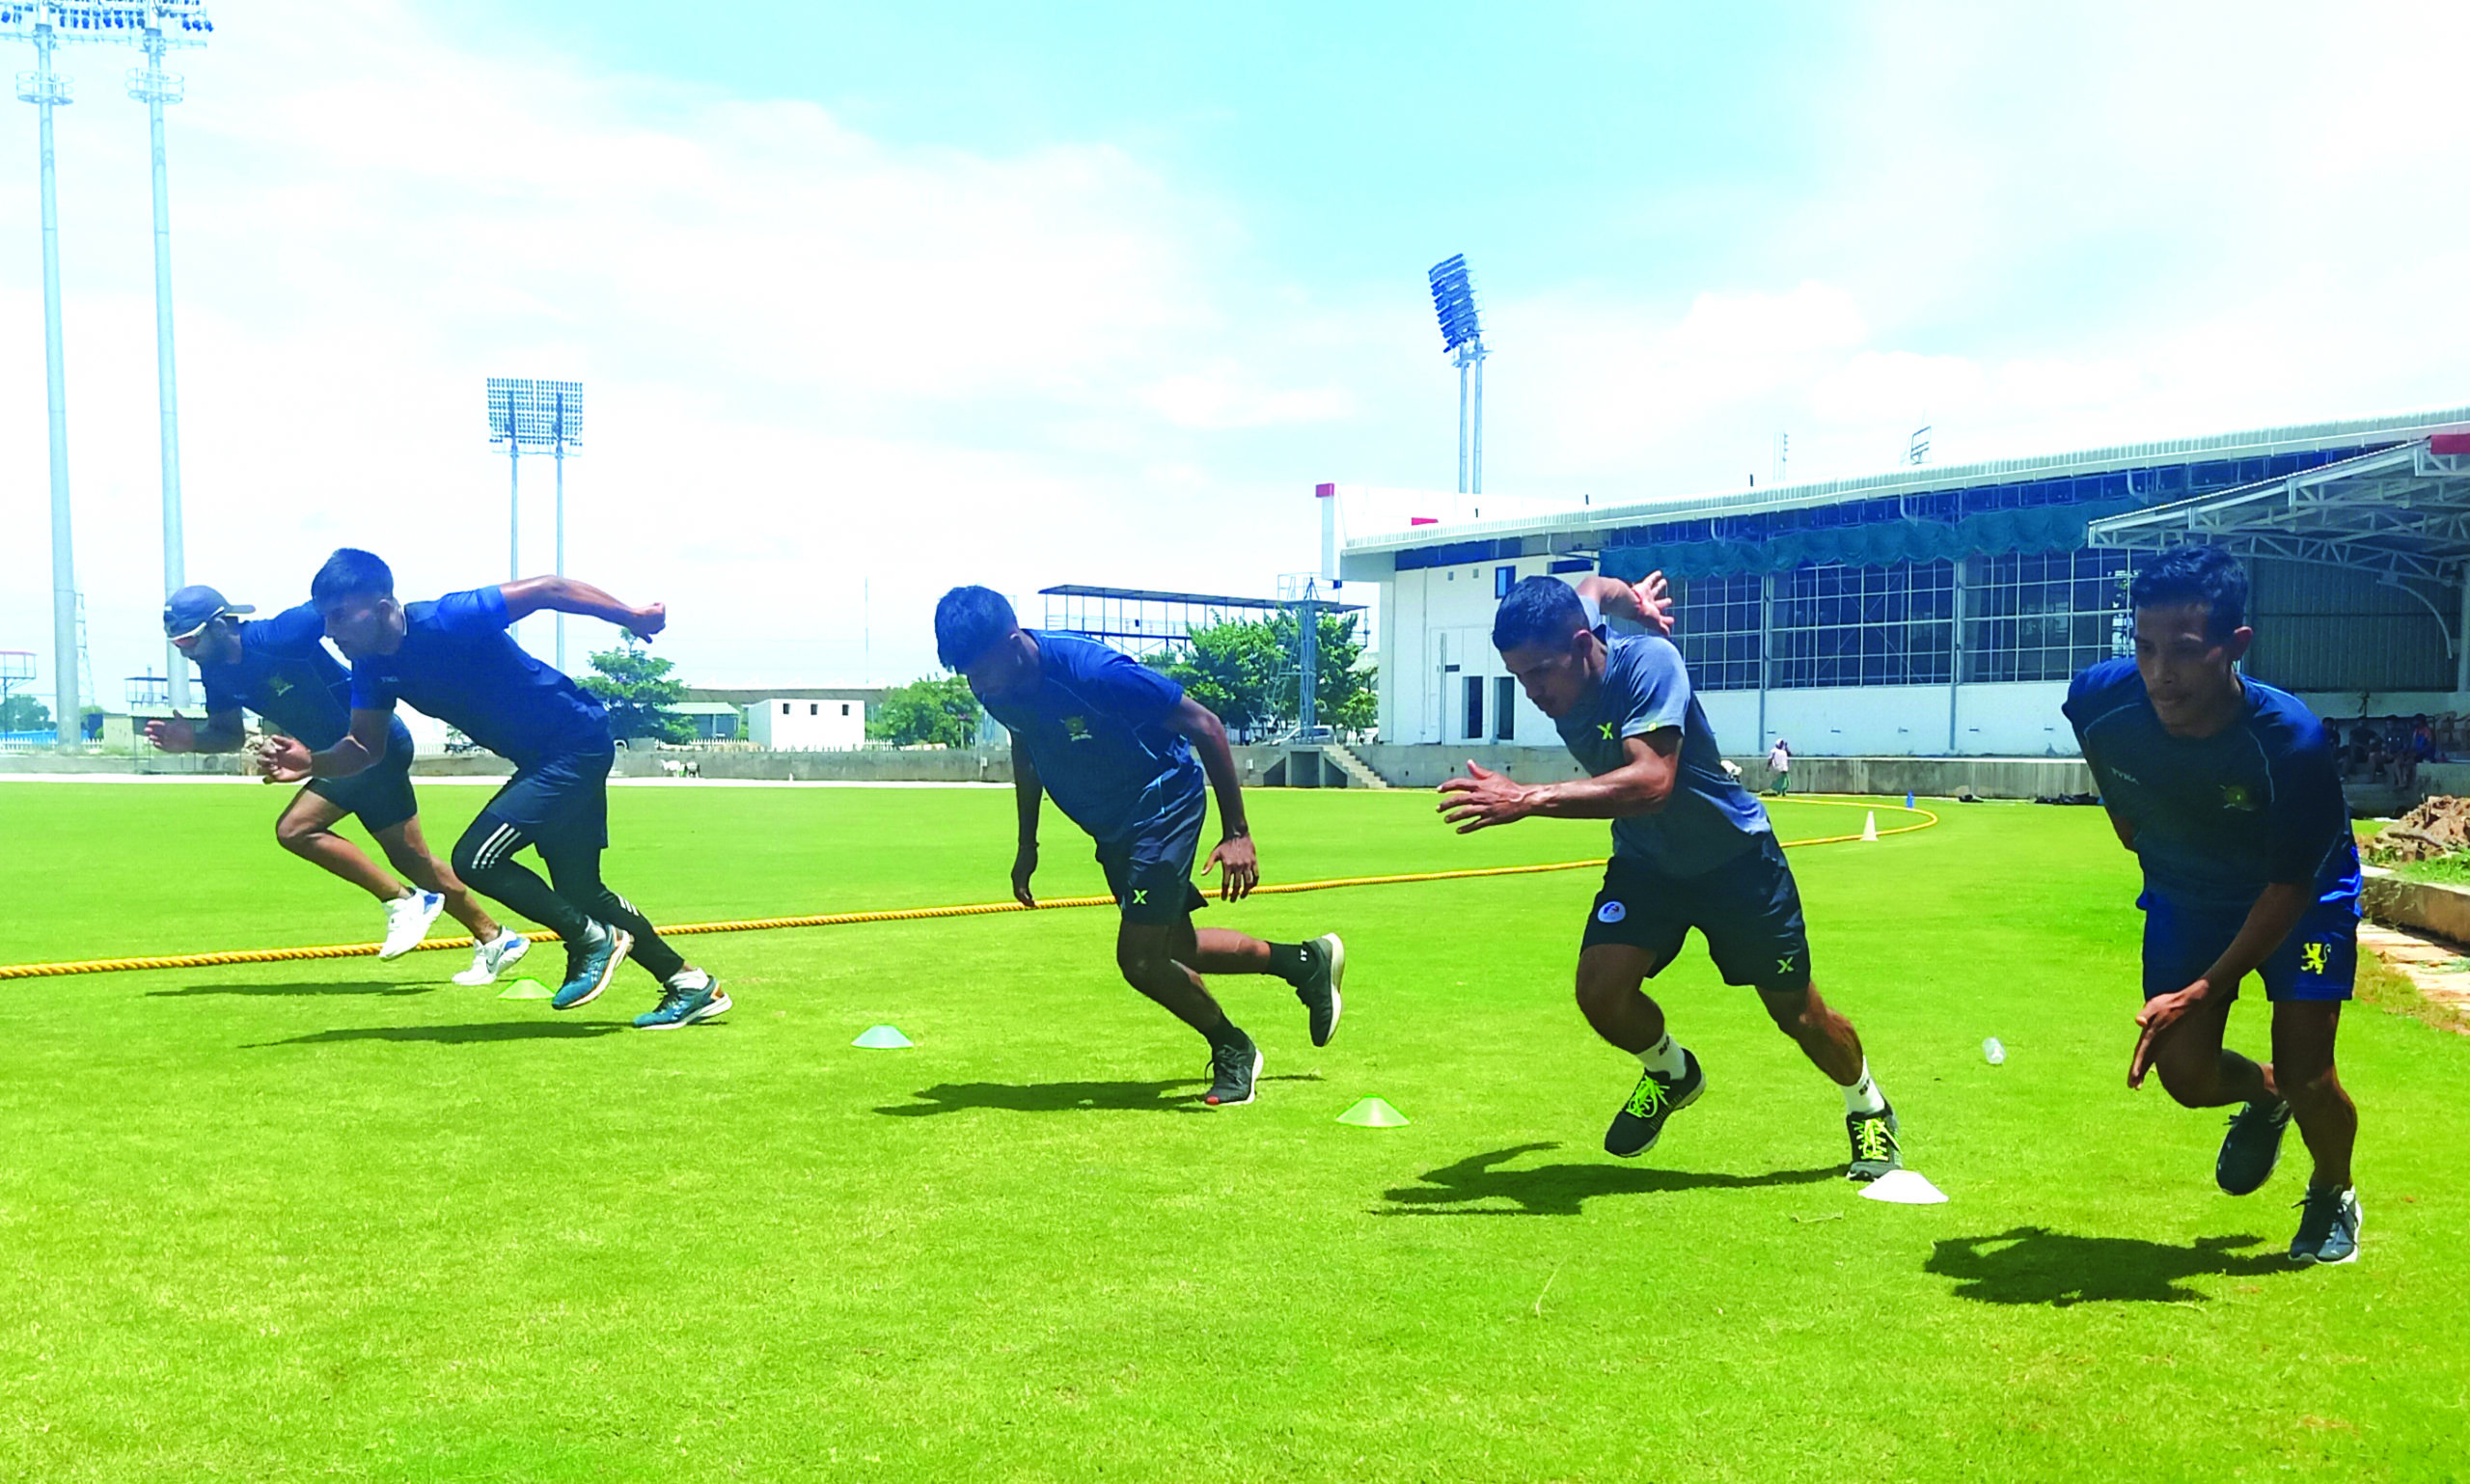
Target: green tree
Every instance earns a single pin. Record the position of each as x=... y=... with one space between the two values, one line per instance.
x=1248 y=672
x=23 y=713
x=931 y=712
x=636 y=688
x=1345 y=687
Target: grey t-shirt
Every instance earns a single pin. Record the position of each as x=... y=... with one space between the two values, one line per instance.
x=1709 y=820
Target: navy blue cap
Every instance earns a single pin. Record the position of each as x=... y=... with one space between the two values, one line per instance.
x=194 y=608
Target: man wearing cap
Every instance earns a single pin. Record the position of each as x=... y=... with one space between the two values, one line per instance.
x=280 y=668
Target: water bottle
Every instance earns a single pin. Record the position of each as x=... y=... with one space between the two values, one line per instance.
x=1993 y=1052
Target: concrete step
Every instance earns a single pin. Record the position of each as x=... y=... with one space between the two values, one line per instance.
x=1359 y=774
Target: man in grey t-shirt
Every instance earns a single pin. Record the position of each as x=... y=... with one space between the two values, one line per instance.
x=1690 y=848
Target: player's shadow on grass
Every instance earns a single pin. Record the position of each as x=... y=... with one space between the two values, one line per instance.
x=457 y=1035
x=298 y=987
x=1557 y=1190
x=1179 y=1094
x=2035 y=1265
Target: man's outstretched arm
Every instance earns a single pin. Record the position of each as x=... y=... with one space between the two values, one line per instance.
x=289 y=760
x=1647 y=602
x=1234 y=854
x=1642 y=786
x=564 y=594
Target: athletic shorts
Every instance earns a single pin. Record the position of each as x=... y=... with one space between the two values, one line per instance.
x=1150 y=871
x=1748 y=910
x=380 y=795
x=2318 y=961
x=562 y=802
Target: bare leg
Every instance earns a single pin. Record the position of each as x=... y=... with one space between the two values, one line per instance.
x=1221 y=951
x=408 y=849
x=2200 y=1072
x=1822 y=1034
x=1609 y=976
x=1153 y=958
x=2303 y=1070
x=307 y=829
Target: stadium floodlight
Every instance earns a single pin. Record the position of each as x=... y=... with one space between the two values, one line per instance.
x=1462 y=336
x=542 y=416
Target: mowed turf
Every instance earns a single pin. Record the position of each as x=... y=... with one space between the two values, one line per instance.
x=339 y=1220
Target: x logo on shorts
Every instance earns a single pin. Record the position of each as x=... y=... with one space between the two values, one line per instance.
x=1606 y=729
x=1140 y=896
x=1784 y=965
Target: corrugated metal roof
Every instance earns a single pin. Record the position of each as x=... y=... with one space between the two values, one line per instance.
x=1927 y=478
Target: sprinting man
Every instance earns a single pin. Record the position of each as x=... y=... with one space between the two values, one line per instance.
x=2230 y=794
x=1114 y=741
x=454 y=659
x=279 y=667
x=1690 y=848
x=1780 y=767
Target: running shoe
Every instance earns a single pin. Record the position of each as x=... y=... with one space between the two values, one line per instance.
x=683 y=1005
x=1874 y=1150
x=407 y=921
x=1233 y=1069
x=2328 y=1223
x=590 y=965
x=1318 y=990
x=2252 y=1147
x=491 y=958
x=1640 y=1123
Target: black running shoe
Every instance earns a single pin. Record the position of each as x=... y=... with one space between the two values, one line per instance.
x=1318 y=990
x=1874 y=1150
x=2252 y=1147
x=1233 y=1069
x=2329 y=1223
x=1640 y=1123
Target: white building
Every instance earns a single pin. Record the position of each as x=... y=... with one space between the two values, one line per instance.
x=806 y=723
x=1941 y=611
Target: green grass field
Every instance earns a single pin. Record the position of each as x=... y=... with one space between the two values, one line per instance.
x=339 y=1220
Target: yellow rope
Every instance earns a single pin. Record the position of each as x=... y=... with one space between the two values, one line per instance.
x=846 y=918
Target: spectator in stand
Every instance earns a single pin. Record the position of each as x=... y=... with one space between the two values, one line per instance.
x=2361 y=749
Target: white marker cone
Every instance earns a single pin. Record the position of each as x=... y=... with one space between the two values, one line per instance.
x=1869 y=825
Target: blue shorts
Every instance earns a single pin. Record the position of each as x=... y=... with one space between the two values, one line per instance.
x=380 y=795
x=2318 y=961
x=1150 y=870
x=1748 y=910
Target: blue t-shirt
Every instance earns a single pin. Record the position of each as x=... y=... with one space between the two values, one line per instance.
x=459 y=665
x=1708 y=819
x=284 y=675
x=2218 y=819
x=1096 y=731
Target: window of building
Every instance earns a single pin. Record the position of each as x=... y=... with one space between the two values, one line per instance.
x=1475 y=707
x=2043 y=616
x=1717 y=624
x=814 y=709
x=784 y=708
x=1839 y=625
x=845 y=708
x=1504 y=709
x=1504 y=578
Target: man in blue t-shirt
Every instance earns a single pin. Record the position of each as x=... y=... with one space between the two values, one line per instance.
x=1112 y=741
x=454 y=659
x=278 y=669
x=1690 y=848
x=2229 y=795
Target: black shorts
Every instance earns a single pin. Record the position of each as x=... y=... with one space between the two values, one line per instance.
x=562 y=802
x=380 y=795
x=1150 y=871
x=1748 y=909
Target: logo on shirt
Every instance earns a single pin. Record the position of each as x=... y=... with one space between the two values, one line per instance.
x=1610 y=913
x=2235 y=796
x=278 y=685
x=1076 y=728
x=2315 y=956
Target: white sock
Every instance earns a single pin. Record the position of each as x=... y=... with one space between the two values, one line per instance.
x=690 y=978
x=1863 y=1096
x=1663 y=1057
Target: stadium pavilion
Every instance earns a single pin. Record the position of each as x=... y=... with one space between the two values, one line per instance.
x=1939 y=611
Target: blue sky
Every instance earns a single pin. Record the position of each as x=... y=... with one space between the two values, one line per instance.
x=872 y=300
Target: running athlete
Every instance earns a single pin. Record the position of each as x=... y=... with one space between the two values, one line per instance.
x=2230 y=794
x=1114 y=741
x=454 y=659
x=1690 y=848
x=279 y=667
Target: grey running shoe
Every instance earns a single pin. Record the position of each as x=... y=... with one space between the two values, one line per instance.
x=1233 y=1070
x=2328 y=1223
x=1318 y=990
x=1874 y=1150
x=1640 y=1123
x=2252 y=1147
x=682 y=1007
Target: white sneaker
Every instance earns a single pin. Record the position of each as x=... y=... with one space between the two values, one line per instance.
x=407 y=921
x=488 y=958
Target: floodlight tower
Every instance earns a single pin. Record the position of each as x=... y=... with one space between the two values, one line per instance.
x=1453 y=301
x=539 y=416
x=164 y=24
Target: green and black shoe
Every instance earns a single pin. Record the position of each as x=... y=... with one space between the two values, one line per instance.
x=1874 y=1150
x=1640 y=1123
x=1319 y=989
x=2252 y=1147
x=1234 y=1069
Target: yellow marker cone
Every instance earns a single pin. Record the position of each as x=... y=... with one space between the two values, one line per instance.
x=526 y=989
x=881 y=1039
x=1373 y=1112
x=1869 y=825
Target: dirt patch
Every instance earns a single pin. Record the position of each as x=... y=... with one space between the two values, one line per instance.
x=2437 y=827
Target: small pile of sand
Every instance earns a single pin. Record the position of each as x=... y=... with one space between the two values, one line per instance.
x=2439 y=827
